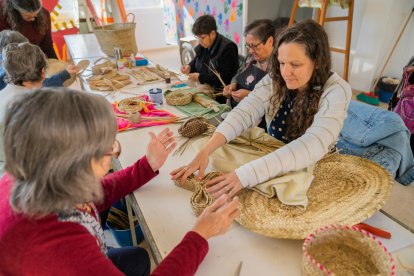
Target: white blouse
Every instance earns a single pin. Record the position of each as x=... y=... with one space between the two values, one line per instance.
x=299 y=153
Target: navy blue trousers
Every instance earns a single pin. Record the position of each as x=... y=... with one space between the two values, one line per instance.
x=130 y=260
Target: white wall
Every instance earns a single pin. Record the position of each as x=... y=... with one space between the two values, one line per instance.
x=150 y=30
x=376 y=26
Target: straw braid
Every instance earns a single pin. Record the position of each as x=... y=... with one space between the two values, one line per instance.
x=200 y=199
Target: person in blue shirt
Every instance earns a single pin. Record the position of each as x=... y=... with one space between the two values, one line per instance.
x=9 y=36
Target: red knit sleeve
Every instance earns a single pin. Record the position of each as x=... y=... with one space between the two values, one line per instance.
x=65 y=248
x=47 y=43
x=185 y=258
x=124 y=182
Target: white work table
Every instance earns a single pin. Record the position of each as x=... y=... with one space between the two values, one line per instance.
x=165 y=215
x=165 y=212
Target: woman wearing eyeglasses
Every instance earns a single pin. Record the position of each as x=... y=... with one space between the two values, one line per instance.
x=213 y=52
x=304 y=103
x=58 y=146
x=31 y=19
x=259 y=37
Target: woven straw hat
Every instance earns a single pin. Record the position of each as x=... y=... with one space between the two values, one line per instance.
x=346 y=190
x=345 y=250
x=56 y=66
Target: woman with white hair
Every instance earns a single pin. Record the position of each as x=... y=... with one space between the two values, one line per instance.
x=58 y=147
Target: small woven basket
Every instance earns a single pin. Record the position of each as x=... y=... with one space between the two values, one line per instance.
x=177 y=98
x=345 y=250
x=193 y=127
x=130 y=105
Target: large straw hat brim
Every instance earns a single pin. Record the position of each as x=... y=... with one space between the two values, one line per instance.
x=56 y=66
x=346 y=190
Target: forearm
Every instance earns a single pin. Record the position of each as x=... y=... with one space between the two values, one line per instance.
x=57 y=80
x=216 y=141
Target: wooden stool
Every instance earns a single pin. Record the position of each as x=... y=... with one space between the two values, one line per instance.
x=321 y=19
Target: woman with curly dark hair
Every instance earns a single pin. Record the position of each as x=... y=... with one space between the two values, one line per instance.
x=31 y=19
x=304 y=103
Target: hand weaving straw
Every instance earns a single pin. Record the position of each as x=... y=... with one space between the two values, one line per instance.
x=200 y=198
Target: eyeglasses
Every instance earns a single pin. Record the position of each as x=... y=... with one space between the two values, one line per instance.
x=252 y=46
x=29 y=16
x=115 y=150
x=202 y=37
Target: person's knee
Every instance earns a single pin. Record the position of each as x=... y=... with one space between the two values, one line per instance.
x=131 y=260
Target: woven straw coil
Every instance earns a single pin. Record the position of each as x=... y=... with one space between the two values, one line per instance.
x=193 y=127
x=178 y=98
x=344 y=250
x=346 y=190
x=200 y=199
x=130 y=105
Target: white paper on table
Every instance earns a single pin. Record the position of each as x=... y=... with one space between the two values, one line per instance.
x=400 y=237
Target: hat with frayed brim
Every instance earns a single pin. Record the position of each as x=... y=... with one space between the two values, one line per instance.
x=345 y=191
x=56 y=66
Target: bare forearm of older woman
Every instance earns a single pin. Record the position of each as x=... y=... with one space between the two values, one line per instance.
x=200 y=162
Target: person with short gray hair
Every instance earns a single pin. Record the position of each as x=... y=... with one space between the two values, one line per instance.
x=7 y=37
x=25 y=66
x=58 y=145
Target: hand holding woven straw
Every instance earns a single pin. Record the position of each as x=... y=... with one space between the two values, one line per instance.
x=130 y=105
x=178 y=97
x=344 y=250
x=200 y=199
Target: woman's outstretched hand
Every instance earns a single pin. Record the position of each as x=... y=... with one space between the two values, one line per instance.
x=217 y=218
x=228 y=183
x=199 y=164
x=159 y=147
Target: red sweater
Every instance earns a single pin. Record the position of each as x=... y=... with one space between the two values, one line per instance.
x=44 y=41
x=47 y=246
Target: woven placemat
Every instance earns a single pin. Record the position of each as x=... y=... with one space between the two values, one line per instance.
x=346 y=190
